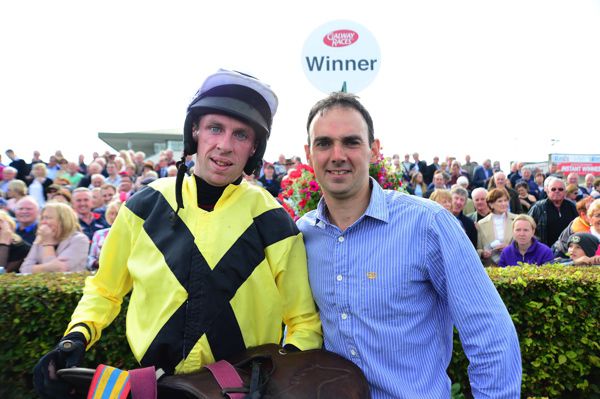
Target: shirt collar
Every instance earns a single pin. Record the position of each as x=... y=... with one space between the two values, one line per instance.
x=377 y=208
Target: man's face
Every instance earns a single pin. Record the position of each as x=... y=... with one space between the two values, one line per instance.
x=479 y=202
x=500 y=179
x=97 y=200
x=26 y=212
x=552 y=168
x=125 y=185
x=111 y=169
x=556 y=191
x=454 y=169
x=467 y=158
x=589 y=180
x=94 y=169
x=8 y=174
x=82 y=202
x=340 y=152
x=458 y=203
x=107 y=195
x=97 y=181
x=416 y=157
x=487 y=164
x=438 y=180
x=52 y=161
x=224 y=146
x=436 y=160
x=572 y=178
x=526 y=173
x=139 y=158
x=169 y=155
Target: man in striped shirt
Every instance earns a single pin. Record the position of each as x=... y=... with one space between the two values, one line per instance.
x=392 y=273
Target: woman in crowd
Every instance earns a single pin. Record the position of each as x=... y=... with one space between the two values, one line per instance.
x=110 y=215
x=593 y=214
x=442 y=197
x=525 y=198
x=571 y=192
x=580 y=224
x=417 y=186
x=60 y=246
x=16 y=190
x=525 y=247
x=12 y=247
x=584 y=249
x=495 y=230
x=39 y=183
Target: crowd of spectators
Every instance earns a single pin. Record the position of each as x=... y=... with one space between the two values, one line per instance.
x=39 y=201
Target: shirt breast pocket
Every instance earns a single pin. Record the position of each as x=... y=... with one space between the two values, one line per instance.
x=387 y=291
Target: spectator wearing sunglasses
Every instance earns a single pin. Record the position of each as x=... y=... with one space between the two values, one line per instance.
x=553 y=214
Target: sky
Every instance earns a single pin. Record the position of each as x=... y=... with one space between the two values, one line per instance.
x=506 y=80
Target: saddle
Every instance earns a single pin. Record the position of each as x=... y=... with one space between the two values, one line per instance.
x=266 y=372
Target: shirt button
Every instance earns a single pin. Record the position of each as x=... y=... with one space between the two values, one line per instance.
x=344 y=316
x=339 y=277
x=341 y=238
x=352 y=352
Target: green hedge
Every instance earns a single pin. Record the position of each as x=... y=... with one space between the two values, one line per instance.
x=555 y=309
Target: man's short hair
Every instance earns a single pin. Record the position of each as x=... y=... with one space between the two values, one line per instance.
x=551 y=179
x=458 y=190
x=479 y=190
x=343 y=100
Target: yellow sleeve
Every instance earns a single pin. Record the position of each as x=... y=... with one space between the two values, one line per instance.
x=103 y=293
x=299 y=310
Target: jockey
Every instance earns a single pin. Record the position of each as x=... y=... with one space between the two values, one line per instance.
x=214 y=264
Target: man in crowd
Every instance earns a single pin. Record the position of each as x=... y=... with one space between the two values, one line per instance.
x=138 y=160
x=479 y=201
x=26 y=214
x=52 y=168
x=588 y=183
x=482 y=174
x=125 y=189
x=392 y=273
x=459 y=199
x=418 y=165
x=438 y=183
x=515 y=173
x=469 y=167
x=553 y=214
x=8 y=174
x=431 y=169
x=113 y=174
x=218 y=264
x=93 y=168
x=19 y=164
x=82 y=203
x=35 y=159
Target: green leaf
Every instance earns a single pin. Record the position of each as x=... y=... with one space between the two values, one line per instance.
x=570 y=309
x=562 y=359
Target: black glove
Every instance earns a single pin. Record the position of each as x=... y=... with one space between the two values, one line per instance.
x=68 y=353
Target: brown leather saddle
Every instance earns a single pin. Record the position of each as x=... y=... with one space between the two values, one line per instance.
x=267 y=371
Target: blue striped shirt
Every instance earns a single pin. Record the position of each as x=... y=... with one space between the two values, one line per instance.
x=391 y=287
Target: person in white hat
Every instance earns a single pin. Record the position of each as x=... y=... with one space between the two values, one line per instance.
x=215 y=265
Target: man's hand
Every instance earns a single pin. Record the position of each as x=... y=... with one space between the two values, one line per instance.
x=68 y=353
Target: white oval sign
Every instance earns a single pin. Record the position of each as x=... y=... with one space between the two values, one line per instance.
x=341 y=54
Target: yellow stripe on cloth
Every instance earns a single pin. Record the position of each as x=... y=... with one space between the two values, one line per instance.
x=109 y=383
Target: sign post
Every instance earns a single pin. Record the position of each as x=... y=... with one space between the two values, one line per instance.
x=341 y=56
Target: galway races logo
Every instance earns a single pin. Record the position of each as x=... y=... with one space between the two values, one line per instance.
x=340 y=38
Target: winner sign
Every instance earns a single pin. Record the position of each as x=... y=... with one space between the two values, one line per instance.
x=341 y=54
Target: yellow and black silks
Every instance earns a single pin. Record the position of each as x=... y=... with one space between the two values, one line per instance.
x=205 y=284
